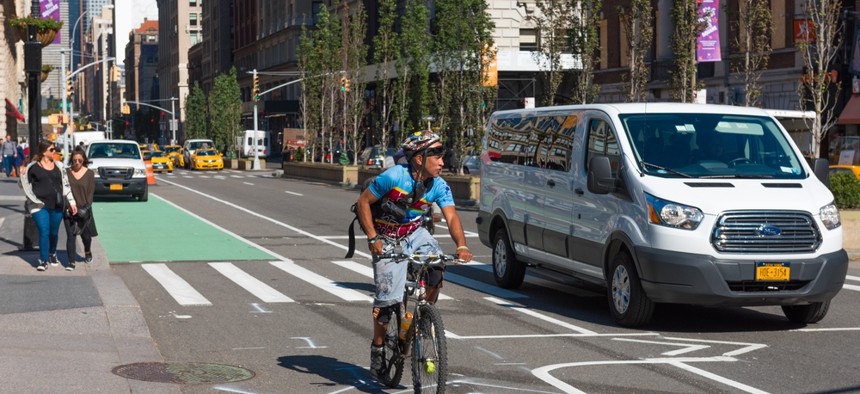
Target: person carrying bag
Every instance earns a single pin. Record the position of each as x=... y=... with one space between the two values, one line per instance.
x=83 y=183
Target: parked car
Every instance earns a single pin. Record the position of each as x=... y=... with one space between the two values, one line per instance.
x=207 y=159
x=161 y=162
x=374 y=156
x=174 y=152
x=472 y=165
x=192 y=145
x=842 y=168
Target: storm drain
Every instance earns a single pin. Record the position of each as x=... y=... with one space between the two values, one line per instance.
x=183 y=373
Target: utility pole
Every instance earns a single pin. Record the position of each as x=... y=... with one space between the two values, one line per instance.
x=256 y=100
x=33 y=67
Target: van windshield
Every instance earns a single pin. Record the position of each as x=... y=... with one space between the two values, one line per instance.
x=104 y=150
x=194 y=145
x=711 y=146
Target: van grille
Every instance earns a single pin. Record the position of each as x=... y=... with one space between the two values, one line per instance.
x=749 y=286
x=765 y=232
x=116 y=172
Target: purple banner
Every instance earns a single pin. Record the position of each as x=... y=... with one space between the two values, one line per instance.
x=51 y=9
x=708 y=41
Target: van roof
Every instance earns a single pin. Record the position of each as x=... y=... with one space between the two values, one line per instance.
x=639 y=108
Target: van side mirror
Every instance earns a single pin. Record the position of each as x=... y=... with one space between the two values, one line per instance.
x=821 y=168
x=600 y=180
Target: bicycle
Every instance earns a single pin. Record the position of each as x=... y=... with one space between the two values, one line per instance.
x=425 y=338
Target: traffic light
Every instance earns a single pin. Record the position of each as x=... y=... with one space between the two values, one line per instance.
x=346 y=85
x=126 y=109
x=256 y=88
x=70 y=88
x=343 y=84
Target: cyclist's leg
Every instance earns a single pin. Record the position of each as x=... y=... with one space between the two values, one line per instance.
x=422 y=242
x=390 y=280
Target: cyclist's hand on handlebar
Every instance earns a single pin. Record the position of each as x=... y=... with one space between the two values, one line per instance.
x=376 y=247
x=464 y=255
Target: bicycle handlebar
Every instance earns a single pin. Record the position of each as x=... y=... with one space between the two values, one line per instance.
x=435 y=259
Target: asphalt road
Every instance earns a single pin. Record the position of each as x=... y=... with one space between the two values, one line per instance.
x=308 y=330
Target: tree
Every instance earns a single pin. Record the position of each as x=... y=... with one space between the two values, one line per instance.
x=463 y=31
x=356 y=60
x=753 y=29
x=637 y=18
x=196 y=114
x=412 y=69
x=310 y=91
x=586 y=42
x=553 y=23
x=328 y=44
x=385 y=55
x=682 y=78
x=819 y=47
x=225 y=109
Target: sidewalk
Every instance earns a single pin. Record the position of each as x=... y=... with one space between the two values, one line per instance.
x=64 y=331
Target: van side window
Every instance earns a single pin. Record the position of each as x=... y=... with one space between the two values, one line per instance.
x=508 y=138
x=602 y=142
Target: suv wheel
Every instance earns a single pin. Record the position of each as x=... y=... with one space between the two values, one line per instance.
x=629 y=304
x=812 y=313
x=507 y=270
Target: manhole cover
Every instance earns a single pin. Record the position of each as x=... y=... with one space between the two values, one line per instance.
x=183 y=372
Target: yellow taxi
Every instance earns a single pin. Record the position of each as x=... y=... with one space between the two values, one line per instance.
x=174 y=152
x=207 y=159
x=848 y=169
x=161 y=162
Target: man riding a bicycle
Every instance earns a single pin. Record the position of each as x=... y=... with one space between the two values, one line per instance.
x=392 y=211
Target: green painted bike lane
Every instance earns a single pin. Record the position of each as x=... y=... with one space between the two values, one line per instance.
x=155 y=230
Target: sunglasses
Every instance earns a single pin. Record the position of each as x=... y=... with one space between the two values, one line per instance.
x=436 y=151
x=52 y=150
x=77 y=160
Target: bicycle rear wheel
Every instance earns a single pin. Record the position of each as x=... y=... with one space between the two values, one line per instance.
x=429 y=351
x=392 y=365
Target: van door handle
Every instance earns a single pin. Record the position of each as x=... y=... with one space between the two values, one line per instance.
x=578 y=191
x=550 y=183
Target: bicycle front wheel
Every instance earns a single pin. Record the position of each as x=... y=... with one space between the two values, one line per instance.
x=392 y=369
x=429 y=351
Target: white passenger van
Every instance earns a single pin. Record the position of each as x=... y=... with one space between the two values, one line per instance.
x=263 y=145
x=661 y=203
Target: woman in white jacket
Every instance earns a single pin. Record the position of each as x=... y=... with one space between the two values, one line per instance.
x=46 y=186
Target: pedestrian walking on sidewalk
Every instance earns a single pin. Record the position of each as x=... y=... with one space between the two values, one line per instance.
x=83 y=183
x=10 y=152
x=47 y=189
x=19 y=161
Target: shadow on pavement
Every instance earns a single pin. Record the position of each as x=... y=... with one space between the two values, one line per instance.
x=337 y=373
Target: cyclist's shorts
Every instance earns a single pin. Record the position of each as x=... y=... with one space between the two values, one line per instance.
x=389 y=276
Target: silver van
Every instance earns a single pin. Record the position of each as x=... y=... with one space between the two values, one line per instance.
x=661 y=203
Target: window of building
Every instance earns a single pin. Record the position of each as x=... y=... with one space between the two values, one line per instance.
x=192 y=3
x=192 y=19
x=150 y=38
x=528 y=40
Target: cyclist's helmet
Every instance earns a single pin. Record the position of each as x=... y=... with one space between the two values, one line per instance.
x=419 y=140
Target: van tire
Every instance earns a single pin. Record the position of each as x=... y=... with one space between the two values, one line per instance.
x=811 y=313
x=507 y=270
x=145 y=196
x=629 y=304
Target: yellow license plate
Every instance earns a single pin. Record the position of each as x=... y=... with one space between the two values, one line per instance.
x=772 y=271
x=116 y=187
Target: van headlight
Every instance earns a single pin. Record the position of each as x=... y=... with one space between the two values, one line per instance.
x=672 y=214
x=830 y=216
x=140 y=172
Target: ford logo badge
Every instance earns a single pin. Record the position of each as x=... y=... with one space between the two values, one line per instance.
x=766 y=230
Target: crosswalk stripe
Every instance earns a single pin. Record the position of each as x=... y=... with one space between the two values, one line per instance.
x=525 y=310
x=368 y=272
x=851 y=287
x=851 y=277
x=253 y=285
x=320 y=281
x=481 y=286
x=177 y=287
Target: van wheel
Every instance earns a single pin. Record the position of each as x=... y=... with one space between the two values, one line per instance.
x=629 y=304
x=507 y=270
x=812 y=313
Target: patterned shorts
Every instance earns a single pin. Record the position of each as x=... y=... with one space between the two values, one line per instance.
x=390 y=276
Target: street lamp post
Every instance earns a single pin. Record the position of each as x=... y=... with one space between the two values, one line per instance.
x=256 y=154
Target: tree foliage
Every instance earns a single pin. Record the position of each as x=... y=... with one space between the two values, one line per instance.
x=818 y=91
x=463 y=33
x=553 y=23
x=196 y=114
x=586 y=43
x=225 y=109
x=356 y=60
x=637 y=18
x=682 y=78
x=385 y=55
x=412 y=69
x=752 y=32
x=308 y=103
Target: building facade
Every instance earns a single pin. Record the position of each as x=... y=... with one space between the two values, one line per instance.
x=179 y=24
x=141 y=61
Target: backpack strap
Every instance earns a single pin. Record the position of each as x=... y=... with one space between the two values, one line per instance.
x=351 y=247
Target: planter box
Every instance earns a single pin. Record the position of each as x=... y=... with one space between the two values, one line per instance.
x=466 y=189
x=231 y=164
x=333 y=173
x=248 y=164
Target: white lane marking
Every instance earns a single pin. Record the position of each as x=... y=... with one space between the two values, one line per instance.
x=543 y=373
x=851 y=287
x=293 y=193
x=828 y=329
x=747 y=347
x=440 y=236
x=320 y=281
x=852 y=277
x=236 y=176
x=557 y=286
x=481 y=286
x=310 y=342
x=539 y=336
x=13 y=198
x=232 y=390
x=248 y=183
x=260 y=309
x=468 y=233
x=204 y=176
x=366 y=271
x=541 y=316
x=1 y=222
x=686 y=348
x=219 y=177
x=185 y=176
x=253 y=285
x=177 y=287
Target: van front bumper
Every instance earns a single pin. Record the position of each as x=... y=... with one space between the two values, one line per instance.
x=120 y=186
x=686 y=278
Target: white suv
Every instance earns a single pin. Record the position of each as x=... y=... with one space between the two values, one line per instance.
x=119 y=168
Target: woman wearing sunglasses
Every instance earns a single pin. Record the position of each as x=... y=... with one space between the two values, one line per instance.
x=83 y=183
x=47 y=189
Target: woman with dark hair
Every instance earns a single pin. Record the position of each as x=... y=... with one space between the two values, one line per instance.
x=46 y=186
x=83 y=183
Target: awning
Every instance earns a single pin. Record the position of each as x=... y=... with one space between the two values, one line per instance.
x=851 y=113
x=12 y=110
